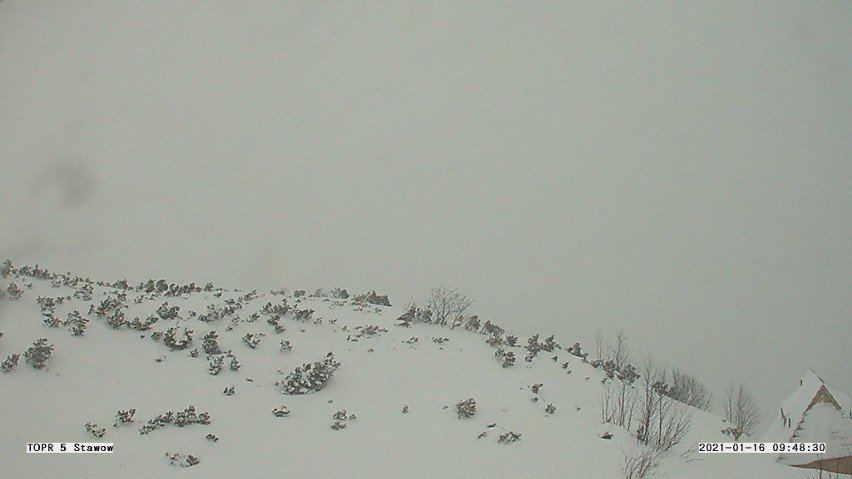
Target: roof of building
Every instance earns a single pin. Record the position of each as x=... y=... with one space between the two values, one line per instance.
x=813 y=413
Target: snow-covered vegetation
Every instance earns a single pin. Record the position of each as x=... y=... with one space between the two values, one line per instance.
x=558 y=410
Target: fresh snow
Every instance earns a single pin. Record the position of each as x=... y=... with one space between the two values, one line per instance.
x=91 y=377
x=795 y=406
x=821 y=422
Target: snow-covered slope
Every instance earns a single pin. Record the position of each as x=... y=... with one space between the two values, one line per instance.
x=676 y=169
x=384 y=369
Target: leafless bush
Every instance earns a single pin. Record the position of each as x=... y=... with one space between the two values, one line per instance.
x=446 y=304
x=674 y=421
x=606 y=402
x=599 y=345
x=663 y=422
x=625 y=401
x=741 y=410
x=686 y=389
x=639 y=463
x=650 y=400
x=618 y=403
x=618 y=352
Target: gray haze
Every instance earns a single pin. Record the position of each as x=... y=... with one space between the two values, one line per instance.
x=679 y=171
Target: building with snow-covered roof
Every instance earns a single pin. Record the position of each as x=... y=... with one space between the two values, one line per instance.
x=815 y=413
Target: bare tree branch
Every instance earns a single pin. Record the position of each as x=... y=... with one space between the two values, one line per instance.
x=447 y=304
x=741 y=410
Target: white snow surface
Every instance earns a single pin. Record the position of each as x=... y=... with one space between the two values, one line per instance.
x=823 y=422
x=89 y=378
x=795 y=406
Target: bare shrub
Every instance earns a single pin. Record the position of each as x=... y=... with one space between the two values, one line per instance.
x=686 y=389
x=663 y=422
x=639 y=463
x=446 y=304
x=618 y=352
x=741 y=410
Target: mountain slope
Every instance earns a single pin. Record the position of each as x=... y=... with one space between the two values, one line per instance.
x=384 y=368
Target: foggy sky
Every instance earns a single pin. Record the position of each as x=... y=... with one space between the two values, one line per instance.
x=678 y=171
